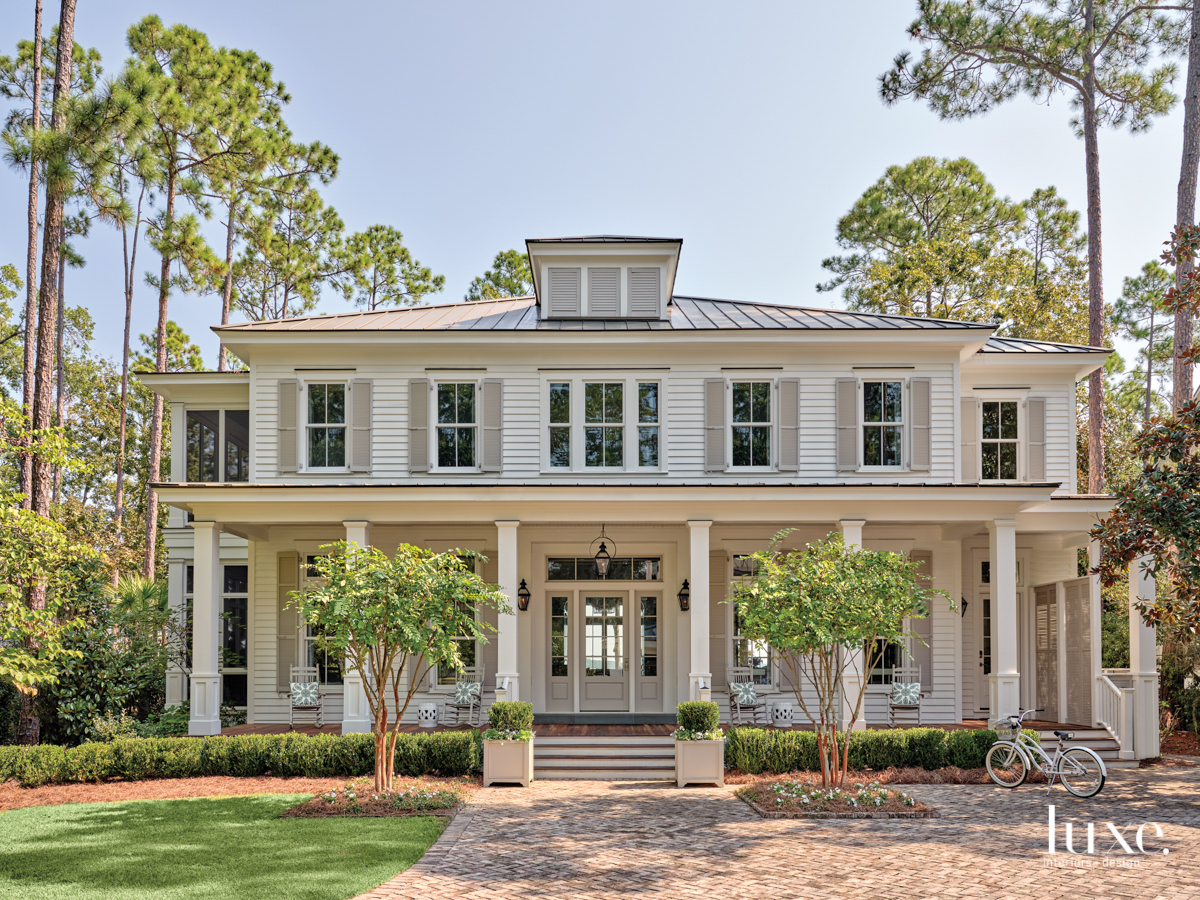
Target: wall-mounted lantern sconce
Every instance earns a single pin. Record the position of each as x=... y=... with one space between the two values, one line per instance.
x=964 y=608
x=523 y=596
x=685 y=597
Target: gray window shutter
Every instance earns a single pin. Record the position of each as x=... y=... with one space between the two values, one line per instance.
x=491 y=457
x=645 y=301
x=717 y=637
x=360 y=425
x=923 y=628
x=604 y=292
x=970 y=441
x=847 y=424
x=714 y=425
x=564 y=292
x=289 y=413
x=1036 y=408
x=287 y=620
x=789 y=424
x=490 y=655
x=922 y=450
x=418 y=425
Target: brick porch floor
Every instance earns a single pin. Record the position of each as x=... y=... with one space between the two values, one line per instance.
x=620 y=839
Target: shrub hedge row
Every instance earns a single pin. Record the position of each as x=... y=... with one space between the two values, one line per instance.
x=757 y=750
x=439 y=753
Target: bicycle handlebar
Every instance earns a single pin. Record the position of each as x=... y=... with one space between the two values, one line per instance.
x=1021 y=718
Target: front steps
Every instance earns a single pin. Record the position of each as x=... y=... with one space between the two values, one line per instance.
x=605 y=758
x=1094 y=739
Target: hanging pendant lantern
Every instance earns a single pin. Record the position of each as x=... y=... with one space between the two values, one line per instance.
x=603 y=559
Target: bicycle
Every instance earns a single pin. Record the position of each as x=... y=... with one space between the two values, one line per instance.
x=1010 y=759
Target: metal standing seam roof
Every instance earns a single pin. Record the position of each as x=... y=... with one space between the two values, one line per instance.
x=686 y=314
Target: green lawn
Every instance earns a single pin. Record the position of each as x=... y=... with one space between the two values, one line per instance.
x=225 y=848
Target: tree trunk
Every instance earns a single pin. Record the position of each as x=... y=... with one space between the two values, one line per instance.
x=31 y=280
x=156 y=421
x=51 y=249
x=60 y=393
x=124 y=413
x=1185 y=211
x=1149 y=362
x=1091 y=151
x=227 y=288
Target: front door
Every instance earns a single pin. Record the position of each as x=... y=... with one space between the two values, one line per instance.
x=605 y=637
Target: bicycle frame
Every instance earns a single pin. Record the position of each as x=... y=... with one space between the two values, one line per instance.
x=1034 y=756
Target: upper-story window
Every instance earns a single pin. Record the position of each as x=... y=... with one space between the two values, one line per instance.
x=751 y=423
x=604 y=428
x=603 y=425
x=999 y=440
x=456 y=425
x=326 y=426
x=218 y=445
x=883 y=423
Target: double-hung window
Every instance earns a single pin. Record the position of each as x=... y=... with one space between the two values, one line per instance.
x=328 y=665
x=326 y=426
x=883 y=423
x=218 y=445
x=604 y=424
x=998 y=440
x=648 y=424
x=456 y=425
x=465 y=642
x=560 y=425
x=752 y=422
x=234 y=649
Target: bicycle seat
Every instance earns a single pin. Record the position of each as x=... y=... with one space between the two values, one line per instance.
x=1065 y=735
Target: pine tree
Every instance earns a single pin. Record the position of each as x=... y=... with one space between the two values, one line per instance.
x=1185 y=213
x=509 y=276
x=1142 y=315
x=385 y=272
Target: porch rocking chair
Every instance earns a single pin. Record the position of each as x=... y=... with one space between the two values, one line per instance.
x=906 y=693
x=305 y=690
x=467 y=698
x=744 y=696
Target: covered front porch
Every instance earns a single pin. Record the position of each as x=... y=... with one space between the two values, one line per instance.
x=588 y=649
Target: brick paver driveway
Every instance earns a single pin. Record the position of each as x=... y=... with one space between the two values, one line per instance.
x=617 y=839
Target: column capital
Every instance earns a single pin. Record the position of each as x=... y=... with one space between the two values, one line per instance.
x=204 y=525
x=507 y=523
x=356 y=523
x=699 y=523
x=852 y=523
x=1001 y=523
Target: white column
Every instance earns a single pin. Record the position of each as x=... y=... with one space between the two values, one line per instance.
x=176 y=587
x=701 y=670
x=1005 y=679
x=506 y=624
x=852 y=659
x=356 y=713
x=206 y=633
x=1143 y=663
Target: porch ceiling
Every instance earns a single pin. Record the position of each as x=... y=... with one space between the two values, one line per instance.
x=251 y=505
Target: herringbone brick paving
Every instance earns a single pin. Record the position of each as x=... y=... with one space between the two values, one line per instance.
x=619 y=839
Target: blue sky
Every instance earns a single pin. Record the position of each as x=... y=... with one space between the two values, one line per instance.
x=744 y=129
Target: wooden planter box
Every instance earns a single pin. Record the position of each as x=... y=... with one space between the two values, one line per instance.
x=508 y=761
x=700 y=762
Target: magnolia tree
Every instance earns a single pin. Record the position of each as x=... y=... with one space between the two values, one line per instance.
x=393 y=619
x=818 y=608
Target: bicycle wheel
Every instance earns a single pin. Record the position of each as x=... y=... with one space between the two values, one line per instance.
x=1080 y=772
x=1006 y=765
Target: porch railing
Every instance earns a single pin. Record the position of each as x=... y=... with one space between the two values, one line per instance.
x=1114 y=712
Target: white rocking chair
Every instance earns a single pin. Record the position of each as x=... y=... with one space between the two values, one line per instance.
x=905 y=695
x=743 y=675
x=467 y=699
x=305 y=694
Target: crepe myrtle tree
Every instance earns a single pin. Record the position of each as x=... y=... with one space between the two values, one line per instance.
x=393 y=619
x=815 y=608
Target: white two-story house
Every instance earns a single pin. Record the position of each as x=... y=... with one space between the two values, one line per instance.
x=688 y=431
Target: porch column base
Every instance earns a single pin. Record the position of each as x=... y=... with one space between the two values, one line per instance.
x=1004 y=692
x=695 y=680
x=1145 y=713
x=513 y=694
x=205 y=705
x=356 y=716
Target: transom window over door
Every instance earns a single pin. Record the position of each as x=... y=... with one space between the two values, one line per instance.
x=751 y=423
x=326 y=426
x=604 y=418
x=998 y=440
x=456 y=425
x=883 y=423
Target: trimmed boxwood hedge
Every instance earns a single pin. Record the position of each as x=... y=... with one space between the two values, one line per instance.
x=757 y=750
x=313 y=756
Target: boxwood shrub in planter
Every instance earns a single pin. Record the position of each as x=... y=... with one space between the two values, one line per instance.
x=508 y=743
x=699 y=744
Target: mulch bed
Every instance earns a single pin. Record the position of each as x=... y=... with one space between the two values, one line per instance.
x=1184 y=743
x=428 y=796
x=948 y=775
x=799 y=796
